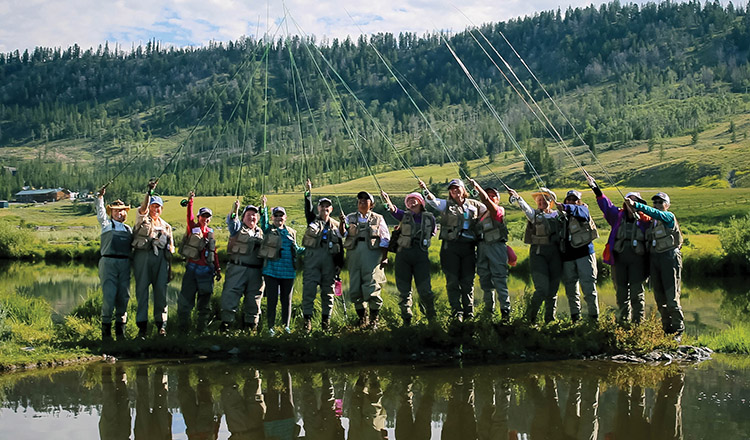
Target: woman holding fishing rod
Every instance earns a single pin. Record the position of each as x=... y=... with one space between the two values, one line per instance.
x=457 y=252
x=492 y=252
x=545 y=230
x=625 y=252
x=416 y=229
x=279 y=249
x=199 y=248
x=153 y=247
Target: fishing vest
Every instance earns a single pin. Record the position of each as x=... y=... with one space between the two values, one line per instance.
x=413 y=234
x=663 y=239
x=145 y=234
x=581 y=233
x=490 y=230
x=629 y=234
x=195 y=243
x=313 y=237
x=366 y=231
x=116 y=243
x=543 y=230
x=270 y=247
x=452 y=219
x=243 y=246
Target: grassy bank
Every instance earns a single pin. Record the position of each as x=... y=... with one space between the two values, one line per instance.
x=28 y=337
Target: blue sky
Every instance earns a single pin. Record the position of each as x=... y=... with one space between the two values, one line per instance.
x=61 y=23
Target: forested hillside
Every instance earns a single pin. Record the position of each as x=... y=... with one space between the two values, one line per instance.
x=285 y=106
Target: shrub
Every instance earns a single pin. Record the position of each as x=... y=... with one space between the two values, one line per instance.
x=735 y=240
x=14 y=241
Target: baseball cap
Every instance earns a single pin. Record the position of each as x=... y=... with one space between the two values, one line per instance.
x=365 y=195
x=661 y=195
x=157 y=200
x=456 y=182
x=637 y=196
x=573 y=193
x=205 y=210
x=325 y=200
x=279 y=209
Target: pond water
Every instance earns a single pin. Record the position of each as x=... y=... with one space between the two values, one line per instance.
x=210 y=400
x=708 y=304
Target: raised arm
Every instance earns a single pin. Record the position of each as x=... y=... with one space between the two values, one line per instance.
x=309 y=208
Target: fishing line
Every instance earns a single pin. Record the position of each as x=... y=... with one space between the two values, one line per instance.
x=538 y=180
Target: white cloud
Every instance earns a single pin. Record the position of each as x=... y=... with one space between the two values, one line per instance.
x=52 y=23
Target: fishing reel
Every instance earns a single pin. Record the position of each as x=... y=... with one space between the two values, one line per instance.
x=184 y=203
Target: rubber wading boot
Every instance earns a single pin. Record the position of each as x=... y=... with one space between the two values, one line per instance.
x=374 y=318
x=142 y=329
x=362 y=313
x=324 y=324
x=575 y=317
x=308 y=323
x=407 y=320
x=106 y=332
x=162 y=327
x=594 y=318
x=120 y=331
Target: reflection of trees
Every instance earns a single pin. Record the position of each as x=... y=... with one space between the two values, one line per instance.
x=318 y=408
x=115 y=414
x=197 y=405
x=152 y=421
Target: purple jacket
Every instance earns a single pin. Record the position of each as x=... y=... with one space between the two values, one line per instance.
x=614 y=216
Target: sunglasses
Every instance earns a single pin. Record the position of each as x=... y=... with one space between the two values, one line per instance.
x=660 y=202
x=278 y=214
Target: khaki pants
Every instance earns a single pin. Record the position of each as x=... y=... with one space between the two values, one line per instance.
x=320 y=271
x=414 y=262
x=150 y=270
x=492 y=268
x=114 y=275
x=666 y=277
x=365 y=276
x=581 y=271
x=458 y=261
x=239 y=282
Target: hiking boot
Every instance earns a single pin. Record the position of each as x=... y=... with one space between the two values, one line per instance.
x=504 y=316
x=324 y=324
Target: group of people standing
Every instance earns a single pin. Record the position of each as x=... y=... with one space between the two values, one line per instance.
x=262 y=255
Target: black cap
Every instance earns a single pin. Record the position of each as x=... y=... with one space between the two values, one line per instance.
x=325 y=200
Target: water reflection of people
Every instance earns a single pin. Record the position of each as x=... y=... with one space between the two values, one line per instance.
x=152 y=422
x=493 y=404
x=244 y=413
x=280 y=421
x=666 y=417
x=459 y=418
x=319 y=409
x=197 y=406
x=581 y=419
x=666 y=421
x=367 y=415
x=115 y=415
x=411 y=425
x=546 y=422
